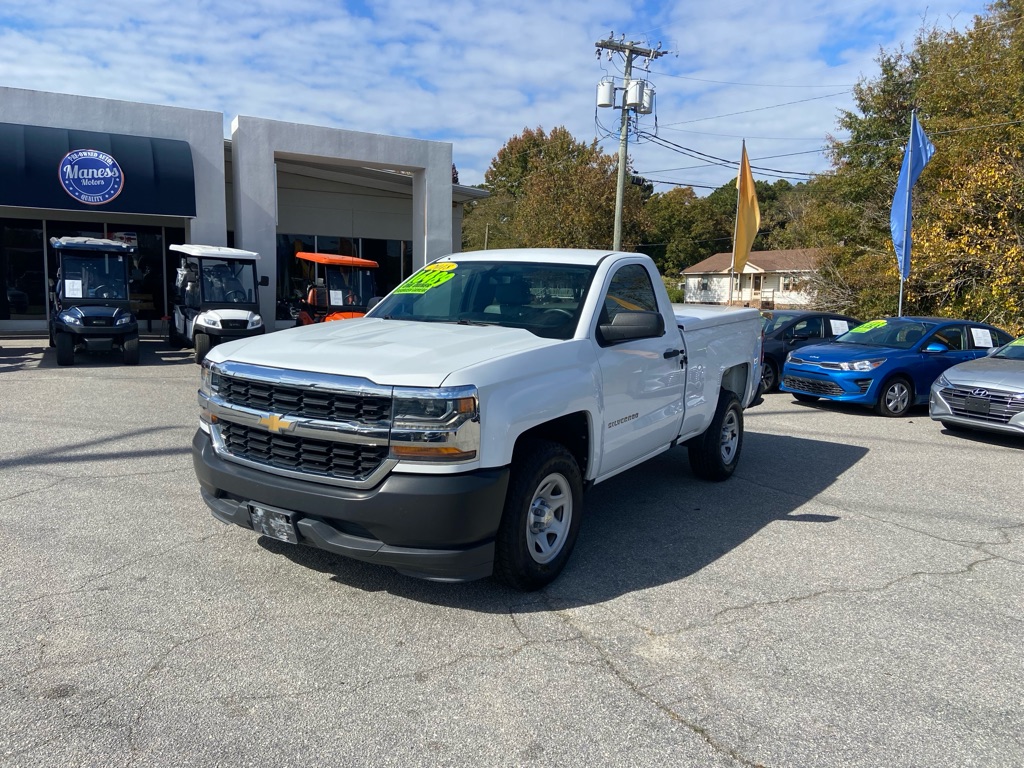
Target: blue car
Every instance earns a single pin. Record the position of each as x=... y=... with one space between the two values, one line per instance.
x=886 y=364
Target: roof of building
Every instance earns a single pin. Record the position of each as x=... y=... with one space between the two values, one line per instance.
x=792 y=260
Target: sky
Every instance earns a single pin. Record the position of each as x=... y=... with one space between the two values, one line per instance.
x=475 y=73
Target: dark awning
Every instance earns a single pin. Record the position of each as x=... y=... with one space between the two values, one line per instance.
x=157 y=174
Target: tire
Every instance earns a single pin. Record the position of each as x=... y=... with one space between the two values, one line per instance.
x=770 y=376
x=131 y=350
x=52 y=342
x=541 y=519
x=65 y=349
x=896 y=397
x=802 y=398
x=202 y=343
x=715 y=454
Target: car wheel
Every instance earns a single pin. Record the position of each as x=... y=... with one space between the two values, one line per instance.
x=65 y=349
x=541 y=519
x=896 y=397
x=131 y=350
x=770 y=376
x=802 y=398
x=202 y=344
x=715 y=453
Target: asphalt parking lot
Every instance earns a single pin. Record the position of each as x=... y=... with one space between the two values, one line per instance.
x=852 y=597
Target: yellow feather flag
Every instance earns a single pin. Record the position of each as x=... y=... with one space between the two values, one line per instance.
x=748 y=215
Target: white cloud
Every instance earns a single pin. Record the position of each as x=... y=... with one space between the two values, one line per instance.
x=478 y=73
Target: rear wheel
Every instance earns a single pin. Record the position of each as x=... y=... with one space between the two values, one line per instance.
x=131 y=350
x=896 y=397
x=65 y=349
x=541 y=520
x=202 y=343
x=802 y=398
x=770 y=376
x=715 y=454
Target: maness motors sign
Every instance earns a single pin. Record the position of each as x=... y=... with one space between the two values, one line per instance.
x=90 y=176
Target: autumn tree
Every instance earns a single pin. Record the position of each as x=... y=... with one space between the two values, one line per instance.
x=549 y=190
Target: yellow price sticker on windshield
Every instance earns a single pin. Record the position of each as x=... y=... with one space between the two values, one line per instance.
x=427 y=278
x=865 y=327
x=1017 y=342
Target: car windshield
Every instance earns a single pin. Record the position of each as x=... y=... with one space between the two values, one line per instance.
x=228 y=281
x=901 y=333
x=1012 y=351
x=772 y=320
x=545 y=299
x=94 y=275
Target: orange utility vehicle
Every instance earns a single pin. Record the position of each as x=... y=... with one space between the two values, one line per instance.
x=342 y=287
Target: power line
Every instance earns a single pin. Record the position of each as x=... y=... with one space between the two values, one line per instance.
x=756 y=109
x=754 y=85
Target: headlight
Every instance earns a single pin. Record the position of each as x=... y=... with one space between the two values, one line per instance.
x=206 y=389
x=206 y=378
x=942 y=381
x=437 y=425
x=255 y=321
x=210 y=321
x=124 y=320
x=862 y=365
x=70 y=319
x=789 y=356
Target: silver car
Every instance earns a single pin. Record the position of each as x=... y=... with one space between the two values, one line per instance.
x=987 y=393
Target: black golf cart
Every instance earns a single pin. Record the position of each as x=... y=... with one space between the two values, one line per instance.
x=216 y=297
x=89 y=308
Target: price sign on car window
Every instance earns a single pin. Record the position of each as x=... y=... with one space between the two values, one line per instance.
x=839 y=326
x=982 y=337
x=73 y=289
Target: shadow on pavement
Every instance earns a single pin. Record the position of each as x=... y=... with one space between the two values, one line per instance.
x=653 y=525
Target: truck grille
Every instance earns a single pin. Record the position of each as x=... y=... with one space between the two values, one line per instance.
x=1002 y=406
x=327 y=458
x=310 y=403
x=813 y=386
x=234 y=325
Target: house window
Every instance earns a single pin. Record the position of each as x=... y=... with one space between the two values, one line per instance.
x=787 y=282
x=705 y=283
x=758 y=280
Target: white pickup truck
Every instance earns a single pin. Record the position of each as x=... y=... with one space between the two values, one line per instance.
x=451 y=432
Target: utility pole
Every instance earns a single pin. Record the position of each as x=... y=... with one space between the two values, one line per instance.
x=630 y=51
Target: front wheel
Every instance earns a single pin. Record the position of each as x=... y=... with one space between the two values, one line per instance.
x=65 y=349
x=770 y=376
x=131 y=350
x=202 y=343
x=541 y=520
x=896 y=397
x=715 y=454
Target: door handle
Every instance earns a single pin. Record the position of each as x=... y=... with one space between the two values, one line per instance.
x=670 y=353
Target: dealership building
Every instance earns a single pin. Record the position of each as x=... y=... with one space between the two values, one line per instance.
x=275 y=188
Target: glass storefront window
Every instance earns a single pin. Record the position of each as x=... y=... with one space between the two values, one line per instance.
x=21 y=270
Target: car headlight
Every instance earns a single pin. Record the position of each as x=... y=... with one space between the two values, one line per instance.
x=862 y=365
x=789 y=356
x=70 y=319
x=206 y=390
x=435 y=425
x=124 y=320
x=943 y=382
x=210 y=321
x=255 y=321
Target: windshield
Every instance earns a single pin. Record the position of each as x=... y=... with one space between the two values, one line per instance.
x=545 y=299
x=1012 y=351
x=347 y=286
x=901 y=333
x=94 y=276
x=772 y=320
x=227 y=281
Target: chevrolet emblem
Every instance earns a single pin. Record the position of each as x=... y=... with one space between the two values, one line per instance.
x=275 y=423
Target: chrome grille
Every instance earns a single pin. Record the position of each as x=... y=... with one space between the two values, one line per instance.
x=310 y=403
x=813 y=386
x=327 y=458
x=1002 y=406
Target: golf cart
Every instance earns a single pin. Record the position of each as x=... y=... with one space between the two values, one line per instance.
x=342 y=287
x=89 y=308
x=216 y=297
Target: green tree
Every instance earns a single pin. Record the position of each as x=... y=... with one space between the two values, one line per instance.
x=549 y=190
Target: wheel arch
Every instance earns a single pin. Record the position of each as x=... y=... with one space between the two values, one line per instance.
x=574 y=431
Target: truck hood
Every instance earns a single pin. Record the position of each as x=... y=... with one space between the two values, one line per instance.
x=389 y=352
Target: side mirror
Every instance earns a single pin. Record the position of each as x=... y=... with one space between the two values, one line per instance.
x=264 y=281
x=991 y=351
x=627 y=326
x=936 y=348
x=374 y=302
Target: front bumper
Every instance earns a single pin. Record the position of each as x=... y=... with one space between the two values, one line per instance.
x=439 y=527
x=841 y=386
x=1003 y=411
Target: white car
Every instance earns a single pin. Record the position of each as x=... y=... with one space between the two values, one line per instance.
x=985 y=394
